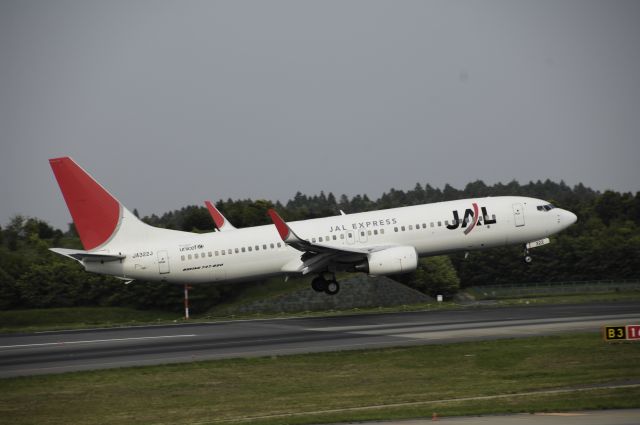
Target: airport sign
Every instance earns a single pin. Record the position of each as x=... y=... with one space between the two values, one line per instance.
x=621 y=333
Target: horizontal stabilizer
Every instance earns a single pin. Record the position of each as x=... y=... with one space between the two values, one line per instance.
x=80 y=255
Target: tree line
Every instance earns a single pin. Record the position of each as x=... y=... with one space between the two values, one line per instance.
x=603 y=244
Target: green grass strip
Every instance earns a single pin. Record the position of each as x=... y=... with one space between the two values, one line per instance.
x=341 y=386
x=78 y=318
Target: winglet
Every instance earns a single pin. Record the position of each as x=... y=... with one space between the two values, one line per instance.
x=283 y=228
x=221 y=222
x=288 y=236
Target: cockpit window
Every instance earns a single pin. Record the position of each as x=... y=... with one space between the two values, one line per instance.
x=547 y=207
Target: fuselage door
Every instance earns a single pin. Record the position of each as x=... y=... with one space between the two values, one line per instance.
x=163 y=262
x=518 y=215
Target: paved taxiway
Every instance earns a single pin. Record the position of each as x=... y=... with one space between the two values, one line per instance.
x=55 y=352
x=604 y=417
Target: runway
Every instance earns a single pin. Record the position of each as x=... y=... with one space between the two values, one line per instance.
x=65 y=351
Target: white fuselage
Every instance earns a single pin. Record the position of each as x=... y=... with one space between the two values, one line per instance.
x=257 y=252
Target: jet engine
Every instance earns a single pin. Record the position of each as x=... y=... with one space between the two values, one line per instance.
x=399 y=259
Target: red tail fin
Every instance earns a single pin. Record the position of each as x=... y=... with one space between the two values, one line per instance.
x=94 y=211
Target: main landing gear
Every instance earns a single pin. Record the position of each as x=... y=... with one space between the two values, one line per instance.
x=328 y=286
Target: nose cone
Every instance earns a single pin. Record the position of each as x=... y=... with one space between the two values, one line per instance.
x=567 y=218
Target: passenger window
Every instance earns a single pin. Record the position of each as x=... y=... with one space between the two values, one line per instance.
x=411 y=227
x=257 y=247
x=313 y=240
x=424 y=225
x=350 y=235
x=279 y=245
x=334 y=237
x=264 y=246
x=320 y=239
x=368 y=232
x=395 y=229
x=223 y=252
x=236 y=250
x=439 y=224
x=217 y=253
x=341 y=235
x=272 y=246
x=382 y=231
x=189 y=257
x=402 y=228
x=195 y=255
x=432 y=224
x=182 y=257
x=210 y=254
x=362 y=233
x=375 y=231
x=243 y=250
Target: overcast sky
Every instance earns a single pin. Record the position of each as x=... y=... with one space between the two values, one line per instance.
x=169 y=103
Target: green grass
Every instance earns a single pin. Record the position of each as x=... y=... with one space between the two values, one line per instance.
x=78 y=317
x=224 y=313
x=87 y=317
x=306 y=386
x=258 y=291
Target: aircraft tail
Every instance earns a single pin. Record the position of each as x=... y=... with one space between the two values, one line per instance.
x=97 y=215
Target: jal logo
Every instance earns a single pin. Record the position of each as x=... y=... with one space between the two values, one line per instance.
x=470 y=219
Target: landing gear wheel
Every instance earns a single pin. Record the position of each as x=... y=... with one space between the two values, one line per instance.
x=332 y=288
x=527 y=257
x=319 y=284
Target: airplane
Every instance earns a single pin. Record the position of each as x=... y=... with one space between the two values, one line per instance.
x=383 y=242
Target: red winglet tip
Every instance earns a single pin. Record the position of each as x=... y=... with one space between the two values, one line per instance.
x=218 y=219
x=282 y=227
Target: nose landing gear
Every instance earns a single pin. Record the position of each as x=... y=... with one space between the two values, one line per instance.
x=328 y=286
x=527 y=258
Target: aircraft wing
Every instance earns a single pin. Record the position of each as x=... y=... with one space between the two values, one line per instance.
x=80 y=255
x=317 y=256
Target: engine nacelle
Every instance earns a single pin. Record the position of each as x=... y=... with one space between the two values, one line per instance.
x=399 y=259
